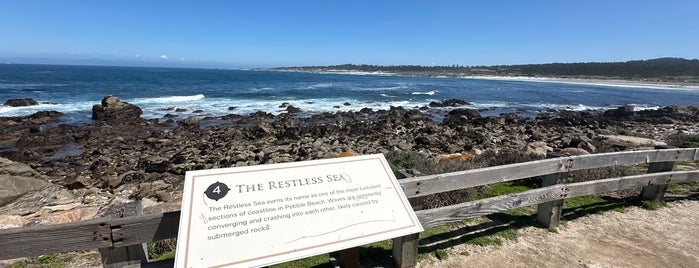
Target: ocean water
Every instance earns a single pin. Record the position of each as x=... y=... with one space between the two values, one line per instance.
x=212 y=92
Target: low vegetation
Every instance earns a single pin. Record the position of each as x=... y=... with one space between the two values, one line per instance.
x=677 y=70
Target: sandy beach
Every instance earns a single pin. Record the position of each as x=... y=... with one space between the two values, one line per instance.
x=599 y=82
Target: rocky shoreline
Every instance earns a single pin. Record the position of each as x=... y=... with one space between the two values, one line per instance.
x=52 y=173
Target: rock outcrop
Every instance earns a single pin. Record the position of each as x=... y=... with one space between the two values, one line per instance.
x=114 y=111
x=23 y=190
x=21 y=102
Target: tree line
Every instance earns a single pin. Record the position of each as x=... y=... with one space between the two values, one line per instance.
x=653 y=68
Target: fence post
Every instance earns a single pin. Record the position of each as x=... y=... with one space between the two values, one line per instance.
x=131 y=256
x=656 y=192
x=405 y=250
x=549 y=214
x=349 y=258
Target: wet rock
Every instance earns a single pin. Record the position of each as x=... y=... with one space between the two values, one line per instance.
x=191 y=121
x=449 y=103
x=20 y=102
x=292 y=109
x=114 y=111
x=623 y=111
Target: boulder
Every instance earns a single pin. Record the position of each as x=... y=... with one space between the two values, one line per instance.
x=449 y=103
x=623 y=111
x=114 y=111
x=13 y=187
x=23 y=190
x=537 y=148
x=630 y=141
x=191 y=121
x=21 y=102
x=574 y=151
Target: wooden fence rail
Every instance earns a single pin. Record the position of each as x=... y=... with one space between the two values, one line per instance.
x=114 y=232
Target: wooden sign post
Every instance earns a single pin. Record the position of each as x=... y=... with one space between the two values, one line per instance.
x=267 y=214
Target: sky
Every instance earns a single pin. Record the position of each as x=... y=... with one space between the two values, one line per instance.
x=263 y=33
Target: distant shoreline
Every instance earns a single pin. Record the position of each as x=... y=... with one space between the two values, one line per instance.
x=598 y=82
x=579 y=81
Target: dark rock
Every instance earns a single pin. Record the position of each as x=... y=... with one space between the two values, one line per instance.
x=21 y=102
x=291 y=109
x=149 y=165
x=449 y=103
x=346 y=104
x=179 y=110
x=458 y=117
x=284 y=105
x=114 y=111
x=191 y=121
x=623 y=111
x=77 y=183
x=24 y=156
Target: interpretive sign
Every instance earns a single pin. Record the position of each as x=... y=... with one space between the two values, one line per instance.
x=267 y=214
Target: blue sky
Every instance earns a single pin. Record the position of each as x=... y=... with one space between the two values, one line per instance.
x=264 y=33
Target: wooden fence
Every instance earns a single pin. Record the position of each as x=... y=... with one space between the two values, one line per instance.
x=120 y=236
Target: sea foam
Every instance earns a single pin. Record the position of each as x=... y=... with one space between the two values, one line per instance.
x=169 y=99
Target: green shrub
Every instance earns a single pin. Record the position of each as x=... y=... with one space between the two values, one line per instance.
x=441 y=254
x=683 y=140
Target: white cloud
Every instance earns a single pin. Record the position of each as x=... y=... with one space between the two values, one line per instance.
x=163 y=57
x=181 y=59
x=138 y=55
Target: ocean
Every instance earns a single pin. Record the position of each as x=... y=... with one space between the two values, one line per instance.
x=73 y=90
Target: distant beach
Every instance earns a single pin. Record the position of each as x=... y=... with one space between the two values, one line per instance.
x=598 y=82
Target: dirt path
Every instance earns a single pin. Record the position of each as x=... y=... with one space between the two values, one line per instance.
x=667 y=237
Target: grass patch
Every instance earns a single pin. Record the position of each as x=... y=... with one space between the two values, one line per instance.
x=683 y=188
x=441 y=254
x=651 y=205
x=19 y=264
x=46 y=259
x=166 y=256
x=484 y=241
x=508 y=234
x=504 y=188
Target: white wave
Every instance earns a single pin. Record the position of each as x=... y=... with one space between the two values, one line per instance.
x=424 y=93
x=644 y=107
x=320 y=85
x=61 y=107
x=170 y=99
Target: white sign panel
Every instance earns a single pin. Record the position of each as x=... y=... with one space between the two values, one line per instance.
x=267 y=214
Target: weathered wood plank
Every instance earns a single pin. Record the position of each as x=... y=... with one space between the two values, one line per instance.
x=145 y=228
x=169 y=263
x=34 y=241
x=405 y=250
x=349 y=258
x=656 y=192
x=548 y=214
x=116 y=257
x=454 y=213
x=426 y=185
